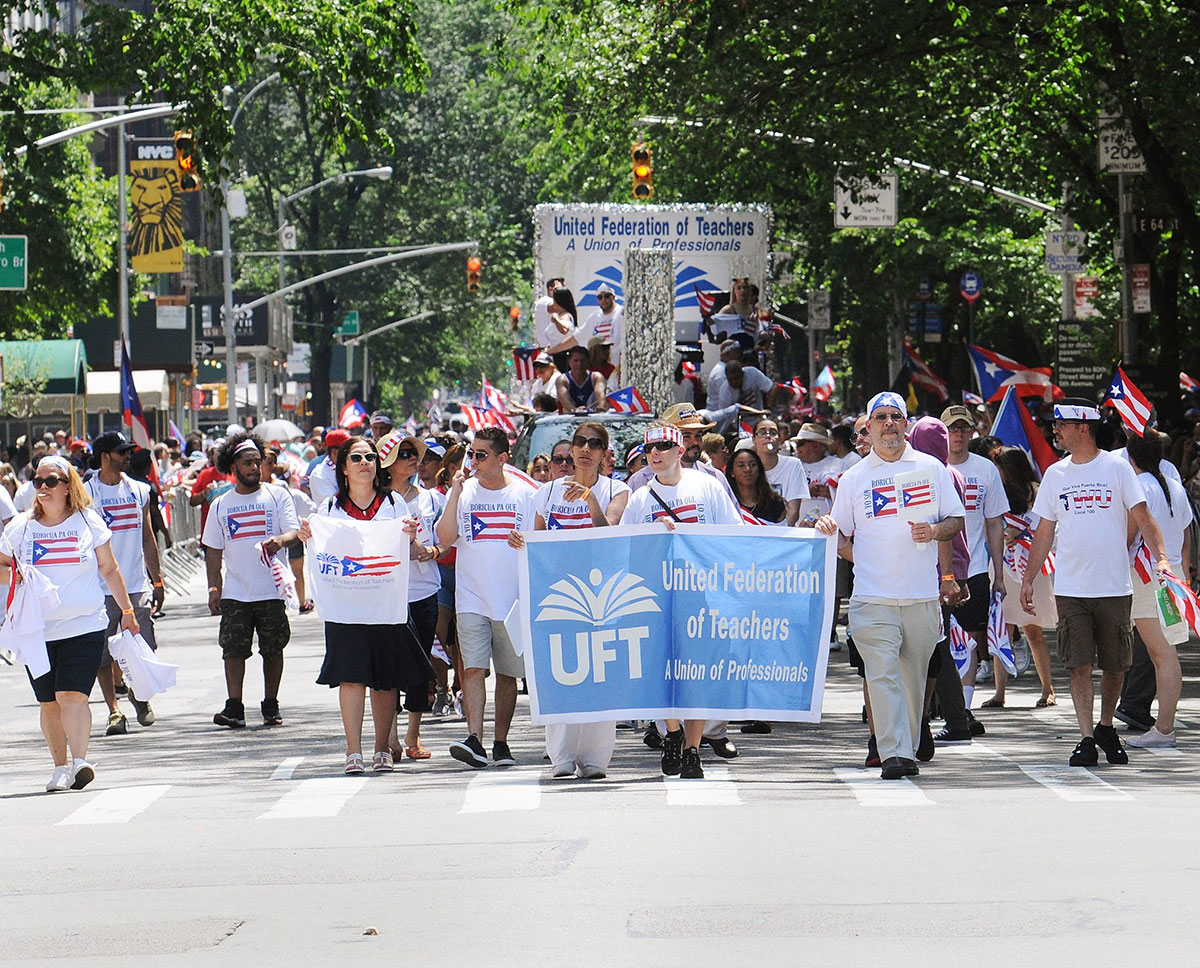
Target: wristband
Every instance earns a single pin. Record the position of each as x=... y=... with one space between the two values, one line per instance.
x=158 y=584
x=948 y=578
x=213 y=588
x=127 y=611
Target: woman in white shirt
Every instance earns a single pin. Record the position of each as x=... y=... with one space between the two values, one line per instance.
x=71 y=546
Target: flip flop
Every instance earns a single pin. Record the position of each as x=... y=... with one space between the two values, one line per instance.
x=417 y=753
x=1043 y=703
x=992 y=703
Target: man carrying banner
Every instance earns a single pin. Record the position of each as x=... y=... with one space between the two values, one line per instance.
x=246 y=529
x=1088 y=498
x=895 y=505
x=484 y=505
x=675 y=494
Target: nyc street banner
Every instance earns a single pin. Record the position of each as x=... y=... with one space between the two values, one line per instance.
x=155 y=210
x=358 y=570
x=700 y=623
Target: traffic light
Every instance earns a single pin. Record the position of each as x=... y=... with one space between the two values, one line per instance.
x=473 y=267
x=515 y=315
x=185 y=160
x=643 y=171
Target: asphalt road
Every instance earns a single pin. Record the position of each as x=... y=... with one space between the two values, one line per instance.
x=198 y=845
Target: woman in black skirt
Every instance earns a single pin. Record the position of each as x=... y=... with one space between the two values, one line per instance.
x=369 y=655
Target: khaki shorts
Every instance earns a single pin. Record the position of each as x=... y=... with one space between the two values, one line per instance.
x=1145 y=606
x=483 y=641
x=1095 y=632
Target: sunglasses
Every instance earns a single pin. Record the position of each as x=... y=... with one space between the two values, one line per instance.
x=882 y=418
x=359 y=458
x=604 y=295
x=766 y=433
x=662 y=446
x=562 y=460
x=406 y=453
x=476 y=456
x=595 y=443
x=865 y=432
x=50 y=482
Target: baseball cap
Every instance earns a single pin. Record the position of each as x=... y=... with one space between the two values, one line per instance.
x=112 y=442
x=953 y=414
x=335 y=438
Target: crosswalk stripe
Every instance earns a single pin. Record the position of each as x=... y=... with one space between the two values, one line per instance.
x=717 y=789
x=323 y=797
x=285 y=769
x=1074 y=783
x=115 y=806
x=871 y=791
x=496 y=791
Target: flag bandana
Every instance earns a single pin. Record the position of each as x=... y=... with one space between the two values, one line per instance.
x=655 y=434
x=887 y=399
x=1069 y=411
x=358 y=570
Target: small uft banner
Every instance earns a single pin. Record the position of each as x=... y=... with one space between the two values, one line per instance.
x=358 y=570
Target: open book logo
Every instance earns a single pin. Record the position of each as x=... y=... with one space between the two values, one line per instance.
x=597 y=601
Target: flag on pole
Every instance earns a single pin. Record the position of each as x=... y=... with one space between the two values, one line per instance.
x=794 y=387
x=477 y=418
x=1014 y=425
x=131 y=406
x=921 y=375
x=705 y=300
x=627 y=400
x=1187 y=384
x=352 y=415
x=824 y=385
x=491 y=398
x=523 y=362
x=972 y=398
x=995 y=373
x=1129 y=402
x=175 y=431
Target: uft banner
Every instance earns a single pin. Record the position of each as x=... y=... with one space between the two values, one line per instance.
x=700 y=623
x=358 y=570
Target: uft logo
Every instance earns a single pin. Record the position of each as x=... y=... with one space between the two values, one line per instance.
x=597 y=602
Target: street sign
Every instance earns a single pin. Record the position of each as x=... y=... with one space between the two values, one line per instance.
x=1139 y=284
x=349 y=325
x=971 y=286
x=1144 y=224
x=1087 y=289
x=868 y=202
x=204 y=348
x=14 y=262
x=1119 y=153
x=818 y=309
x=924 y=289
x=1064 y=252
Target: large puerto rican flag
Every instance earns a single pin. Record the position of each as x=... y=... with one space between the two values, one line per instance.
x=131 y=406
x=995 y=373
x=1129 y=402
x=921 y=375
x=523 y=362
x=352 y=415
x=1014 y=425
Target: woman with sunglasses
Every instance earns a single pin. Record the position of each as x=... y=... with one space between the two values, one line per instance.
x=71 y=546
x=366 y=655
x=400 y=456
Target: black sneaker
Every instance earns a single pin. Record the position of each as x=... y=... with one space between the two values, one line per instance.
x=691 y=769
x=145 y=715
x=672 y=753
x=1108 y=740
x=722 y=747
x=872 y=752
x=925 y=747
x=470 y=751
x=1137 y=718
x=120 y=689
x=951 y=737
x=233 y=715
x=652 y=737
x=1085 y=753
x=502 y=755
x=977 y=727
x=270 y=712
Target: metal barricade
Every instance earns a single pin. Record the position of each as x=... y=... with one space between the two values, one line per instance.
x=185 y=557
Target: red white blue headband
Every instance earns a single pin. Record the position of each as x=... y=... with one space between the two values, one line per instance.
x=655 y=434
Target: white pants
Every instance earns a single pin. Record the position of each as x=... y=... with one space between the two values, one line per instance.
x=895 y=641
x=581 y=744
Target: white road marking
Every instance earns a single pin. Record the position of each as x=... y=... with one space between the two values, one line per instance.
x=871 y=791
x=717 y=789
x=115 y=806
x=497 y=791
x=1074 y=783
x=322 y=797
x=285 y=769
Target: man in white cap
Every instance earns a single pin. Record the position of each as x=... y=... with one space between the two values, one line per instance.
x=381 y=424
x=608 y=323
x=545 y=376
x=821 y=468
x=1087 y=499
x=894 y=616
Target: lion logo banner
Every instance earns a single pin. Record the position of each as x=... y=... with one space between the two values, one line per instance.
x=155 y=210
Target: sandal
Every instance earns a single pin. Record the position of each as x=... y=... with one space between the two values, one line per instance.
x=354 y=764
x=418 y=752
x=381 y=762
x=1046 y=701
x=992 y=703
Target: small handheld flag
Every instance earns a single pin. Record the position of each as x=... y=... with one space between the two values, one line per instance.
x=627 y=400
x=1129 y=402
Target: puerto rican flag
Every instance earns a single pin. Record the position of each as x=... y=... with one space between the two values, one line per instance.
x=794 y=387
x=627 y=400
x=478 y=418
x=1185 y=600
x=920 y=373
x=1017 y=556
x=707 y=301
x=523 y=362
x=567 y=520
x=57 y=551
x=744 y=430
x=251 y=523
x=1129 y=402
x=748 y=518
x=1142 y=564
x=995 y=373
x=1188 y=384
x=917 y=495
x=121 y=517
x=824 y=385
x=999 y=644
x=883 y=501
x=687 y=514
x=961 y=646
x=370 y=566
x=352 y=415
x=131 y=406
x=972 y=398
x=1014 y=425
x=492 y=398
x=493 y=525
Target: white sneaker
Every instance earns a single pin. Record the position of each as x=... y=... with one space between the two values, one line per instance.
x=592 y=773
x=60 y=780
x=1153 y=740
x=563 y=771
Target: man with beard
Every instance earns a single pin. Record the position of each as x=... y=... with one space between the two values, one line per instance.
x=246 y=529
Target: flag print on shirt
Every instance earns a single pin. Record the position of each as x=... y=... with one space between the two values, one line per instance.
x=121 y=517
x=565 y=520
x=251 y=523
x=56 y=551
x=686 y=513
x=917 y=495
x=493 y=525
x=883 y=501
x=370 y=566
x=971 y=496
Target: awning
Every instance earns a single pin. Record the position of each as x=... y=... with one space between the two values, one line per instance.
x=104 y=390
x=62 y=363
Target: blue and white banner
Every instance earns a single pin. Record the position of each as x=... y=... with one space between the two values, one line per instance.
x=700 y=623
x=358 y=570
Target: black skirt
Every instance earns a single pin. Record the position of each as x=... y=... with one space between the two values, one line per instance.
x=376 y=656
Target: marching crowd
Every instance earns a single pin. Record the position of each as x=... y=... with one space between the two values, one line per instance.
x=1083 y=551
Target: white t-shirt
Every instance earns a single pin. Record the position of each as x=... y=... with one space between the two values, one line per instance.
x=645 y=475
x=610 y=328
x=850 y=460
x=8 y=510
x=888 y=564
x=122 y=507
x=544 y=330
x=23 y=499
x=1089 y=502
x=755 y=383
x=485 y=571
x=322 y=480
x=827 y=470
x=1172 y=521
x=549 y=386
x=984 y=497
x=238 y=522
x=66 y=554
x=789 y=479
x=696 y=499
x=302 y=504
x=1165 y=467
x=424 y=577
x=559 y=513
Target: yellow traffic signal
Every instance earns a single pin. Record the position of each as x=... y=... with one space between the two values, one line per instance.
x=515 y=315
x=473 y=267
x=643 y=171
x=186 y=161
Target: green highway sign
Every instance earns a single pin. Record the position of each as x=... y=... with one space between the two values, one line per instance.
x=14 y=263
x=349 y=325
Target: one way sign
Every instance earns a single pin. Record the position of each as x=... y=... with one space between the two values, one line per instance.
x=868 y=202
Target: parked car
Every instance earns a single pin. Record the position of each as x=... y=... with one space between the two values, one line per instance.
x=542 y=431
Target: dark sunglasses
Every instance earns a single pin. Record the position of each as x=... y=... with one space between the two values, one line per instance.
x=595 y=443
x=50 y=482
x=478 y=455
x=662 y=446
x=562 y=460
x=359 y=458
x=406 y=454
x=865 y=432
